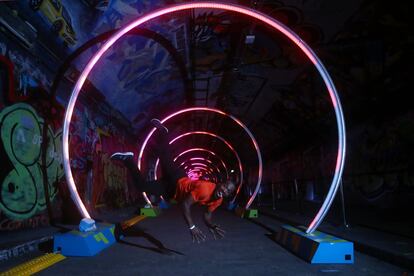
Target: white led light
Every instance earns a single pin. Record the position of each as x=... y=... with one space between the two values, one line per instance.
x=339 y=166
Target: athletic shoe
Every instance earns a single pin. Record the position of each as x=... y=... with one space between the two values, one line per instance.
x=158 y=125
x=122 y=156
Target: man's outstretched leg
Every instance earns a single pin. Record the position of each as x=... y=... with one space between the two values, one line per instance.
x=171 y=171
x=156 y=188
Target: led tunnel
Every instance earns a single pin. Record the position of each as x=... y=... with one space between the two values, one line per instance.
x=206 y=151
x=196 y=173
x=234 y=151
x=237 y=121
x=199 y=169
x=199 y=164
x=212 y=135
x=208 y=163
x=192 y=159
x=207 y=169
x=210 y=166
x=269 y=21
x=199 y=159
x=217 y=137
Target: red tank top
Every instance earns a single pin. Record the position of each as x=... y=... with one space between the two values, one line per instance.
x=200 y=190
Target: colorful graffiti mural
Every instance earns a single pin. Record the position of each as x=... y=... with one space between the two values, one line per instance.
x=40 y=35
x=57 y=17
x=22 y=191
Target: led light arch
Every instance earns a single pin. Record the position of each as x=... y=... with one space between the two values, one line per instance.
x=200 y=174
x=234 y=119
x=200 y=159
x=226 y=143
x=227 y=175
x=196 y=173
x=217 y=137
x=339 y=166
x=199 y=164
x=196 y=158
x=207 y=169
x=198 y=133
x=193 y=164
x=210 y=164
x=199 y=169
x=208 y=152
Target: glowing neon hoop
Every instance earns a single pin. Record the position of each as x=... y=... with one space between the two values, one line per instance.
x=209 y=152
x=221 y=6
x=215 y=136
x=237 y=121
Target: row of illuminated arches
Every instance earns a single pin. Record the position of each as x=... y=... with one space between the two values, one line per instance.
x=194 y=172
x=241 y=10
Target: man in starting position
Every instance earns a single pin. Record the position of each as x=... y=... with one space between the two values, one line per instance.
x=175 y=183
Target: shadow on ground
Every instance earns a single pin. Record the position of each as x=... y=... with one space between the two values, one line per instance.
x=123 y=235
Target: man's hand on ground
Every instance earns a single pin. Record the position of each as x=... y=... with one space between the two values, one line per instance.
x=216 y=231
x=198 y=235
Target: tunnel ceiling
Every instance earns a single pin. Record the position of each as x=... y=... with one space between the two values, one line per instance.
x=269 y=84
x=236 y=64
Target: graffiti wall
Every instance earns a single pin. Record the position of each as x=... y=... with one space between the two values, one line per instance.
x=36 y=37
x=22 y=188
x=92 y=143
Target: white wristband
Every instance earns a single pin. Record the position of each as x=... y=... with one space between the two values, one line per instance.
x=192 y=227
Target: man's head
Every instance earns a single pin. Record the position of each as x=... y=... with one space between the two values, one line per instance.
x=224 y=190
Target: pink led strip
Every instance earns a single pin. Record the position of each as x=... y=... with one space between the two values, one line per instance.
x=209 y=109
x=208 y=152
x=228 y=7
x=215 y=136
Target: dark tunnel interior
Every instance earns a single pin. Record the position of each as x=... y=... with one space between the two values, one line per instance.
x=263 y=116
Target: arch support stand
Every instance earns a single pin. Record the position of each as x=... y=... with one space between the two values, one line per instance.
x=77 y=243
x=246 y=213
x=316 y=247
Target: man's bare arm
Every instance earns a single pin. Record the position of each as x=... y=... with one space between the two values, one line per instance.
x=208 y=218
x=215 y=230
x=196 y=233
x=186 y=205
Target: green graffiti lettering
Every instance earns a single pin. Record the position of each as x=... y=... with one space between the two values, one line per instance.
x=22 y=189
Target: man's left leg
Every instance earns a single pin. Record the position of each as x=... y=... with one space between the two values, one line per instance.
x=155 y=187
x=171 y=171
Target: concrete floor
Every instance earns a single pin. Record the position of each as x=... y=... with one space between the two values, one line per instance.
x=163 y=246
